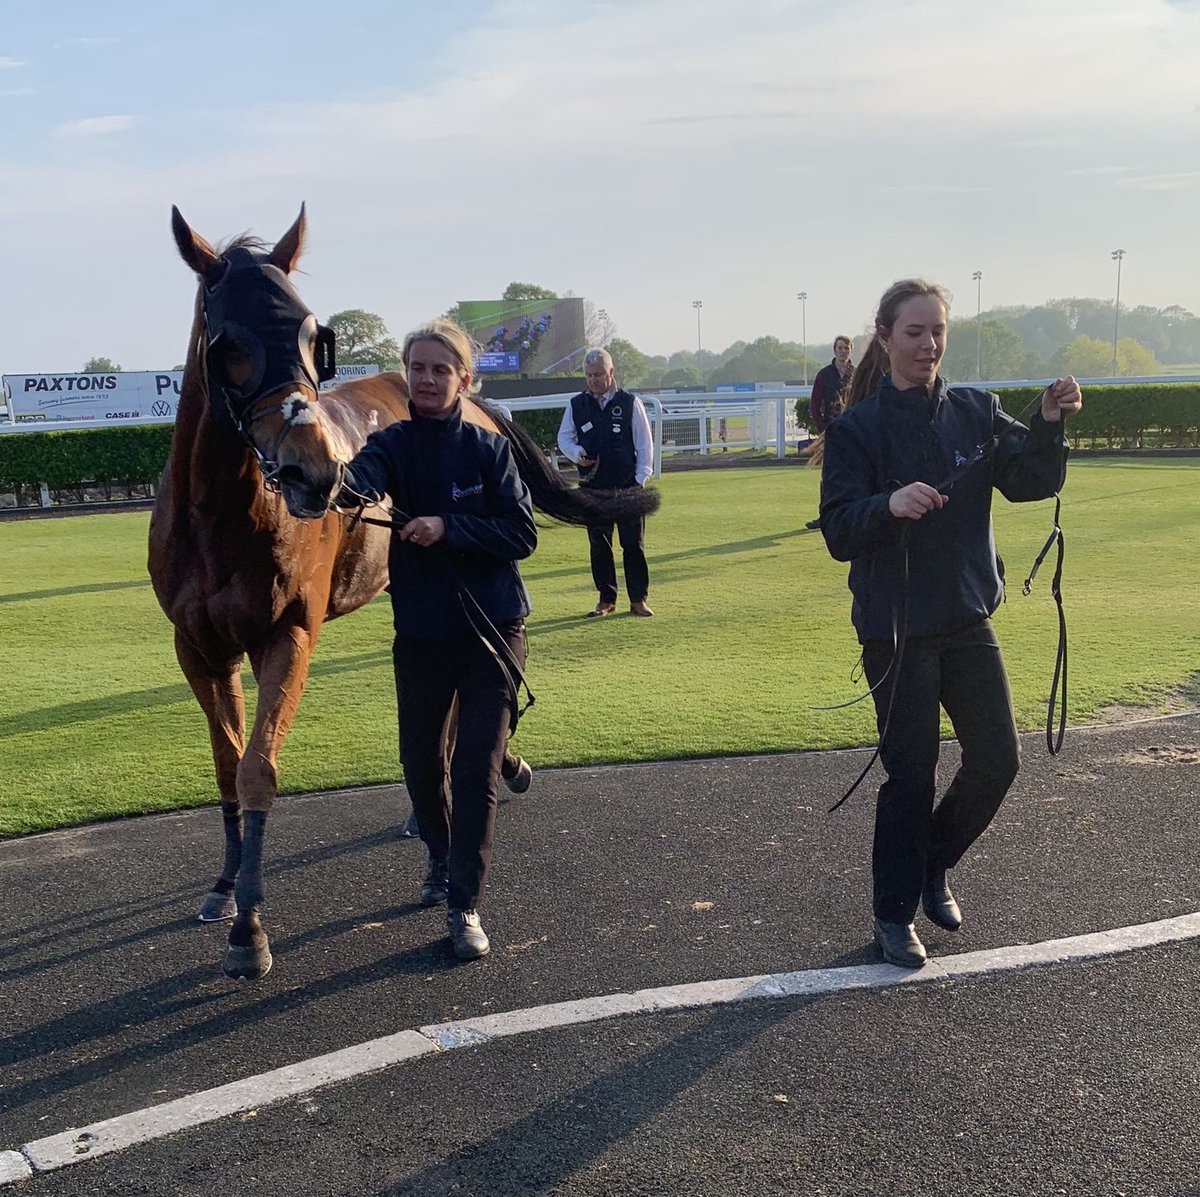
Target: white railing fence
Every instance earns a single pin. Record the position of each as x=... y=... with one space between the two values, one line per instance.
x=710 y=422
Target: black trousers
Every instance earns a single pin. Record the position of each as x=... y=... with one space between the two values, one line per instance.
x=453 y=784
x=964 y=673
x=631 y=534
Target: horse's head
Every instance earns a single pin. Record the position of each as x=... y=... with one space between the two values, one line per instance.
x=263 y=357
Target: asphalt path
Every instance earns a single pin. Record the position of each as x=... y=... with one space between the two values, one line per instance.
x=1078 y=1078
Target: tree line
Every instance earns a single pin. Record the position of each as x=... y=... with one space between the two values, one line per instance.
x=1061 y=336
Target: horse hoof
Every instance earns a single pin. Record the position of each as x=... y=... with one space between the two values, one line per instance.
x=216 y=908
x=247 y=964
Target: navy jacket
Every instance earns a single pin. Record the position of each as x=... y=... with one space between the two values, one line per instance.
x=467 y=475
x=896 y=437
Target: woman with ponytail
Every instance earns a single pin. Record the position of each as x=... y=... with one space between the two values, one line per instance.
x=906 y=489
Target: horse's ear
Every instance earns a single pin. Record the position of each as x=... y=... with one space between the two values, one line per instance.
x=193 y=249
x=290 y=246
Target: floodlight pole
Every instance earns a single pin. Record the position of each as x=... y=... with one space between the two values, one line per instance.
x=1117 y=256
x=978 y=277
x=697 y=304
x=802 y=296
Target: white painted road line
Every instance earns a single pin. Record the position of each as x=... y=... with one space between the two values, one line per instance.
x=155 y=1122
x=13 y=1166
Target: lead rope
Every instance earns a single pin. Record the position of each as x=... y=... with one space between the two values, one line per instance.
x=1058 y=693
x=510 y=668
x=1058 y=686
x=899 y=640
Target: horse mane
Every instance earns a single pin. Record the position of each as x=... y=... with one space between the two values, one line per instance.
x=242 y=241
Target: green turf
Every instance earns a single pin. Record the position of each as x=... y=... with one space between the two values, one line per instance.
x=752 y=631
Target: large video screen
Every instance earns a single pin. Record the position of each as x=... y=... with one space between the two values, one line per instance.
x=534 y=336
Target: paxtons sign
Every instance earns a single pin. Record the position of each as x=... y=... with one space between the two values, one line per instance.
x=128 y=397
x=133 y=397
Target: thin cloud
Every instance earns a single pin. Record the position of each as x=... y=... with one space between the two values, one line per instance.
x=1166 y=182
x=8 y=63
x=934 y=189
x=721 y=117
x=96 y=126
x=99 y=40
x=1102 y=170
x=14 y=92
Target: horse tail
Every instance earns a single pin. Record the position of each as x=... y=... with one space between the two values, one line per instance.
x=557 y=498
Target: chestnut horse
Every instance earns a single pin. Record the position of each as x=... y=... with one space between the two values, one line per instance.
x=238 y=562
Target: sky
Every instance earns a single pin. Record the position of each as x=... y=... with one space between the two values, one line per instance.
x=640 y=153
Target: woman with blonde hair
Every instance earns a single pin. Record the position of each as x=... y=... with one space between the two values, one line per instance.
x=458 y=608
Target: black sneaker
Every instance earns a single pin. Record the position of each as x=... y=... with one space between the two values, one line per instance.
x=437 y=883
x=518 y=783
x=467 y=934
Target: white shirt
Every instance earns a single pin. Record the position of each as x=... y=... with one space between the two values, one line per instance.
x=643 y=442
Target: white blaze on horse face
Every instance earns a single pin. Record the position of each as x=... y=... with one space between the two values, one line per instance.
x=298 y=410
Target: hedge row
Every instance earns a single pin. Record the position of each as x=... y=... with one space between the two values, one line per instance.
x=103 y=457
x=1119 y=415
x=1127 y=415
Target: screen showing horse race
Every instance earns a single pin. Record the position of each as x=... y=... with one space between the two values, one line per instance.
x=533 y=336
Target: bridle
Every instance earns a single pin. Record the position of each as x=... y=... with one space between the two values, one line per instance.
x=249 y=306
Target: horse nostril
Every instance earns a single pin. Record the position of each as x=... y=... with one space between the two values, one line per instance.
x=291 y=475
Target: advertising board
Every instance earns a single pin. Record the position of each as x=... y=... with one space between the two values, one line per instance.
x=105 y=400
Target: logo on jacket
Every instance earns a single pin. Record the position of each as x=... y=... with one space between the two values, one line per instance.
x=457 y=492
x=959 y=459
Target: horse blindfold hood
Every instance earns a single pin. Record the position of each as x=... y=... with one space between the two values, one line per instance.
x=255 y=318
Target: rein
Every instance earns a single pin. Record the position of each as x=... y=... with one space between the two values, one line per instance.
x=514 y=676
x=1058 y=687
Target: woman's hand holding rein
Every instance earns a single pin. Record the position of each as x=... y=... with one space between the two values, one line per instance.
x=915 y=500
x=1061 y=398
x=424 y=530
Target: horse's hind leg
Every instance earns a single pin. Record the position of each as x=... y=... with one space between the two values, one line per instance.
x=219 y=692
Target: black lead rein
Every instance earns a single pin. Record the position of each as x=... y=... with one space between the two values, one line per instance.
x=514 y=676
x=1058 y=686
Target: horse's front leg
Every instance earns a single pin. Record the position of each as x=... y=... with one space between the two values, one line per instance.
x=219 y=692
x=281 y=669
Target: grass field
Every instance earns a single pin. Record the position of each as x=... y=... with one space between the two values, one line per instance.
x=752 y=631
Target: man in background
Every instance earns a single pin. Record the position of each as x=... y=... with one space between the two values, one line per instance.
x=826 y=402
x=605 y=431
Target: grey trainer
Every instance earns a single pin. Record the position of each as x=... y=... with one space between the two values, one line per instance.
x=467 y=934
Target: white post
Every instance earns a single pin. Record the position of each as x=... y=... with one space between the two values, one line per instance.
x=45 y=494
